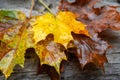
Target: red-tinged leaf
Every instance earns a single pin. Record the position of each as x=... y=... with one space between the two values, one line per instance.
x=97 y=19
x=88 y=50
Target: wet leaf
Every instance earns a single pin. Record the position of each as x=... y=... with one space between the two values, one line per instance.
x=88 y=50
x=50 y=53
x=60 y=26
x=49 y=35
x=14 y=42
x=17 y=35
x=96 y=18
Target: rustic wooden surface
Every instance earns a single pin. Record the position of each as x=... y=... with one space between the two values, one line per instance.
x=72 y=70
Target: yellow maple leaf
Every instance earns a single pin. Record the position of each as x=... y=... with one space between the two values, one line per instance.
x=60 y=26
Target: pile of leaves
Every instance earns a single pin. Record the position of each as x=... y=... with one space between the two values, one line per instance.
x=74 y=29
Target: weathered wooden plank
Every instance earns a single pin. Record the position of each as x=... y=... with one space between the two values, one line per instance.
x=114 y=58
x=72 y=71
x=113 y=38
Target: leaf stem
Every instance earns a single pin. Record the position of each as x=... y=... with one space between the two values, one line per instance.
x=41 y=1
x=31 y=8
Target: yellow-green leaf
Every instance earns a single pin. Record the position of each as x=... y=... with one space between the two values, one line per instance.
x=14 y=42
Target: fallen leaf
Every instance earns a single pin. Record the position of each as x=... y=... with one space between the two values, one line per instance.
x=48 y=35
x=19 y=36
x=14 y=42
x=50 y=53
x=88 y=50
x=96 y=18
x=60 y=26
